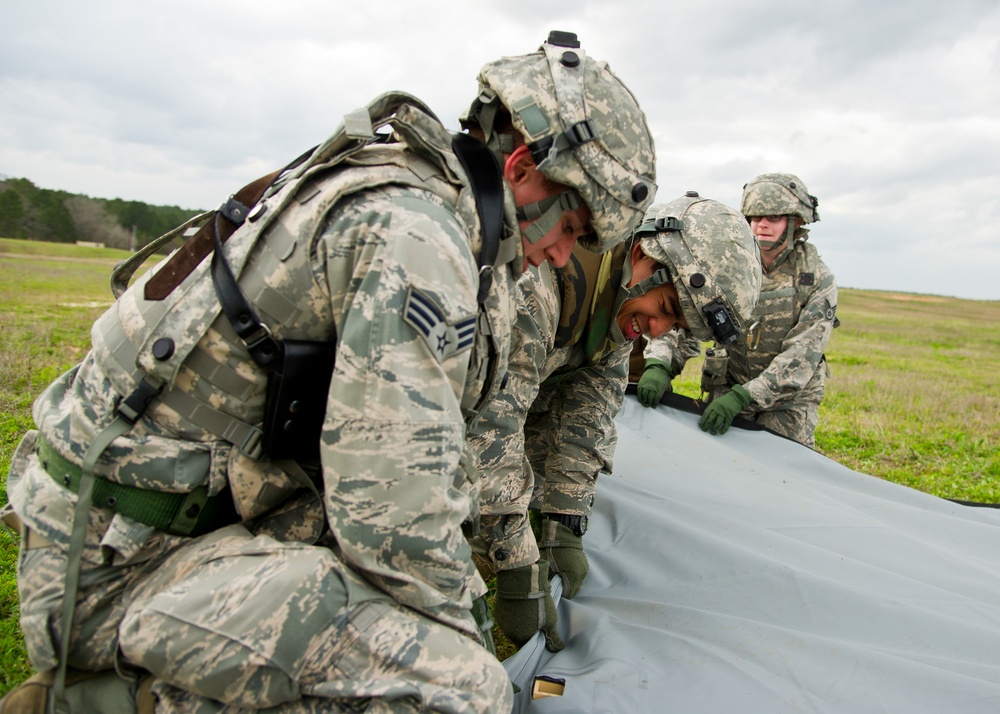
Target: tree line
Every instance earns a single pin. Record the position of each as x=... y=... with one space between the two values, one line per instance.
x=27 y=211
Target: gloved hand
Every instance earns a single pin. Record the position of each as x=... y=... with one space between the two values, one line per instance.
x=524 y=606
x=481 y=614
x=721 y=412
x=564 y=550
x=654 y=382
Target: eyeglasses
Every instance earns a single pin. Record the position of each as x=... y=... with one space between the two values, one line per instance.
x=769 y=219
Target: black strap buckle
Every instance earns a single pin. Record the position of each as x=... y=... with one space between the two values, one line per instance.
x=540 y=149
x=580 y=133
x=234 y=211
x=577 y=135
x=134 y=405
x=668 y=225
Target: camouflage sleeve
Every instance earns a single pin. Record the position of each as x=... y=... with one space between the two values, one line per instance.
x=582 y=432
x=674 y=348
x=498 y=436
x=402 y=283
x=801 y=349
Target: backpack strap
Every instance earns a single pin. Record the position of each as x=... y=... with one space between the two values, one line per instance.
x=486 y=181
x=227 y=219
x=263 y=348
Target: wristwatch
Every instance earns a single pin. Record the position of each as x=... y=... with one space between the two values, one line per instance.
x=577 y=524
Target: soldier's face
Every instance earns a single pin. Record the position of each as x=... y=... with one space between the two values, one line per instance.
x=556 y=245
x=768 y=227
x=768 y=230
x=529 y=185
x=654 y=313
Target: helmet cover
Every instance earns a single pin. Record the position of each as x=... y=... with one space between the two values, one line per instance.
x=584 y=128
x=779 y=195
x=713 y=261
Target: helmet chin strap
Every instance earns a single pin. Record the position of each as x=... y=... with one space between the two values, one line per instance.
x=660 y=277
x=772 y=244
x=545 y=214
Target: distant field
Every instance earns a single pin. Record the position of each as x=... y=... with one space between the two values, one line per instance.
x=914 y=395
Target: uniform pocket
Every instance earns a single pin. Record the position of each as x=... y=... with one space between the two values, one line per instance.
x=39 y=585
x=237 y=618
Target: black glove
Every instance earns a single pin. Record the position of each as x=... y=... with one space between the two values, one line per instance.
x=523 y=605
x=564 y=550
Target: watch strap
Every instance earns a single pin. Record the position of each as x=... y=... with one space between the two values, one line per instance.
x=576 y=523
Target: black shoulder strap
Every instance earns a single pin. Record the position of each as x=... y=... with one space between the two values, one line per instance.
x=483 y=170
x=263 y=348
x=486 y=181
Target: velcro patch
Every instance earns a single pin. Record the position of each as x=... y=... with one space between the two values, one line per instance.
x=444 y=339
x=807 y=278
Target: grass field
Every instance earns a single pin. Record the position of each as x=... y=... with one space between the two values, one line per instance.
x=914 y=395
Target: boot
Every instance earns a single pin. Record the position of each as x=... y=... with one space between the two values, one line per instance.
x=86 y=692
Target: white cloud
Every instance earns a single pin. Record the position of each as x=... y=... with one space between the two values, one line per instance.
x=889 y=112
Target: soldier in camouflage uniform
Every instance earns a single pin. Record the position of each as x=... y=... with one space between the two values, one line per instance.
x=549 y=434
x=776 y=376
x=168 y=534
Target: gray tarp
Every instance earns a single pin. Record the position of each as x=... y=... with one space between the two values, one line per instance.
x=746 y=573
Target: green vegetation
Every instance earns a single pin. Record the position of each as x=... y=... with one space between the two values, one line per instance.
x=913 y=396
x=50 y=293
x=27 y=211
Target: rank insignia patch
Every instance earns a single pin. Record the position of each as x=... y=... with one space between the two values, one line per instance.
x=443 y=339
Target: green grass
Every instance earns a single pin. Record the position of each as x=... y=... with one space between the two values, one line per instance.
x=50 y=293
x=913 y=398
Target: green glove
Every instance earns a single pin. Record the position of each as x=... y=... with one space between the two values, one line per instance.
x=564 y=549
x=481 y=613
x=655 y=380
x=721 y=412
x=524 y=606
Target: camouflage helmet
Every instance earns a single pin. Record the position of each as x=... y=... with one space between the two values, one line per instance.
x=584 y=129
x=779 y=195
x=711 y=258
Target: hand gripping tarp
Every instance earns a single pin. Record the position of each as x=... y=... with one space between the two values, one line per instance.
x=747 y=573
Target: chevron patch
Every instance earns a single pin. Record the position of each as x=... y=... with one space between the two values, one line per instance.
x=444 y=339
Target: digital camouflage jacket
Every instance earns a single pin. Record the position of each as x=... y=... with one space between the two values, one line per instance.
x=383 y=244
x=545 y=439
x=781 y=360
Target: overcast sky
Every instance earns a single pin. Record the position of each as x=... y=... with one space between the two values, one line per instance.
x=888 y=111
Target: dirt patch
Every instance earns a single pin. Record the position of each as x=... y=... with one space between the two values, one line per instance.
x=60 y=258
x=907 y=297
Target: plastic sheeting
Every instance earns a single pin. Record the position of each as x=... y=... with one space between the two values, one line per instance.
x=747 y=573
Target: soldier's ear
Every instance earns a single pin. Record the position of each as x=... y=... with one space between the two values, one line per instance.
x=519 y=168
x=636 y=255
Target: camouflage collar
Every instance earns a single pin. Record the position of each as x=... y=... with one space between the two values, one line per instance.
x=591 y=286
